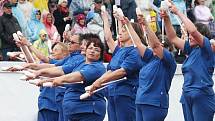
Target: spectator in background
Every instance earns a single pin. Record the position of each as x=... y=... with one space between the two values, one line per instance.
x=61 y=15
x=80 y=24
x=202 y=12
x=42 y=43
x=95 y=26
x=129 y=8
x=52 y=5
x=79 y=4
x=8 y=26
x=48 y=21
x=26 y=7
x=2 y=2
x=18 y=13
x=35 y=25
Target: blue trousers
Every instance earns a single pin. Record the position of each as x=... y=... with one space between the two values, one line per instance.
x=150 y=113
x=47 y=115
x=83 y=117
x=198 y=106
x=121 y=108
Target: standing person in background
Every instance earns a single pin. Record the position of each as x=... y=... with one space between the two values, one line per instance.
x=42 y=43
x=198 y=99
x=80 y=26
x=8 y=26
x=128 y=7
x=61 y=15
x=18 y=13
x=35 y=25
x=202 y=12
x=26 y=7
x=48 y=21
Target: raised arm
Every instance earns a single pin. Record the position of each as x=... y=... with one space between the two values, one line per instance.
x=35 y=51
x=192 y=30
x=154 y=42
x=170 y=32
x=107 y=32
x=137 y=41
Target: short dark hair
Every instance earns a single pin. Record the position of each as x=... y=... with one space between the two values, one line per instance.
x=93 y=38
x=203 y=29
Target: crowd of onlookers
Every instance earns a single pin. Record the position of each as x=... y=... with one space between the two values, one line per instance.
x=51 y=21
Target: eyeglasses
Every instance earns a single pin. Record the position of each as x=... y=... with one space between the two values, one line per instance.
x=44 y=35
x=94 y=49
x=71 y=42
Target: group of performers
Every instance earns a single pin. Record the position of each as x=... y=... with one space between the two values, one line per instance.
x=143 y=66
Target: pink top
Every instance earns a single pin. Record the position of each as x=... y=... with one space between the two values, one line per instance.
x=50 y=27
x=202 y=14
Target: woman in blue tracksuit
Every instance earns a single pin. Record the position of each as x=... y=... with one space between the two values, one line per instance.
x=152 y=99
x=93 y=108
x=198 y=99
x=126 y=62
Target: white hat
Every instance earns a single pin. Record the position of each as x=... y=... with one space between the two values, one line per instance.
x=60 y=1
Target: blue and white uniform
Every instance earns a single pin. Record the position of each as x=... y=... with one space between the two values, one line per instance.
x=121 y=95
x=90 y=109
x=198 y=99
x=155 y=79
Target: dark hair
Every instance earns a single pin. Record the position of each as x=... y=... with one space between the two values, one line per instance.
x=166 y=43
x=139 y=31
x=93 y=38
x=38 y=11
x=203 y=29
x=196 y=2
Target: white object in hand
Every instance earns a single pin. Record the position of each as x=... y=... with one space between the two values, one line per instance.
x=48 y=84
x=15 y=37
x=11 y=54
x=164 y=5
x=84 y=96
x=120 y=13
x=138 y=11
x=34 y=81
x=20 y=35
x=4 y=68
x=115 y=8
x=22 y=56
x=103 y=8
x=88 y=88
x=168 y=3
x=29 y=74
x=67 y=27
x=24 y=77
x=18 y=67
